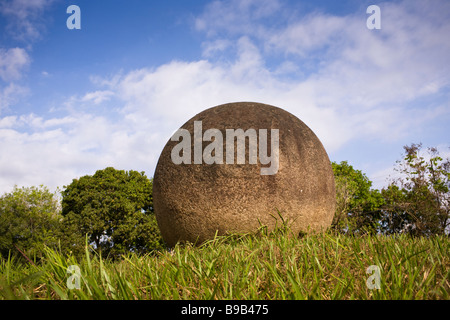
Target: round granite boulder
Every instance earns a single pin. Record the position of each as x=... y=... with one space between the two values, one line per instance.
x=235 y=167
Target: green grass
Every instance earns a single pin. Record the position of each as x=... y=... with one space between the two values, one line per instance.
x=259 y=266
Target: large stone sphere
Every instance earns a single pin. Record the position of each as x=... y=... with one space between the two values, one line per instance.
x=203 y=186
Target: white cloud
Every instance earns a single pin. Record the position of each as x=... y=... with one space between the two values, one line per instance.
x=8 y=122
x=348 y=63
x=163 y=99
x=35 y=122
x=53 y=151
x=24 y=17
x=235 y=16
x=11 y=94
x=12 y=63
x=23 y=20
x=97 y=96
x=314 y=32
x=210 y=48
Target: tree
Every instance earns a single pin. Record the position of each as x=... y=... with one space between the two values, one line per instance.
x=357 y=205
x=114 y=209
x=30 y=218
x=418 y=202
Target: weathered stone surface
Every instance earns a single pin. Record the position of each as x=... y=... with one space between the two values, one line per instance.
x=194 y=201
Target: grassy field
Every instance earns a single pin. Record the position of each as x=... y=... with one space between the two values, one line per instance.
x=259 y=266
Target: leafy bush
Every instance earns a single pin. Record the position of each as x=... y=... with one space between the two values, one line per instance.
x=29 y=219
x=114 y=208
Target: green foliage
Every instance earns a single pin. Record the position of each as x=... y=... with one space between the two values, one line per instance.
x=357 y=205
x=265 y=265
x=114 y=208
x=418 y=202
x=29 y=219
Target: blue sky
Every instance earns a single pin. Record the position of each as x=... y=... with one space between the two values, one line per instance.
x=112 y=93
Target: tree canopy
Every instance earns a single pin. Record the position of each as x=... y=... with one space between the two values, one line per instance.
x=418 y=201
x=357 y=205
x=114 y=208
x=29 y=219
